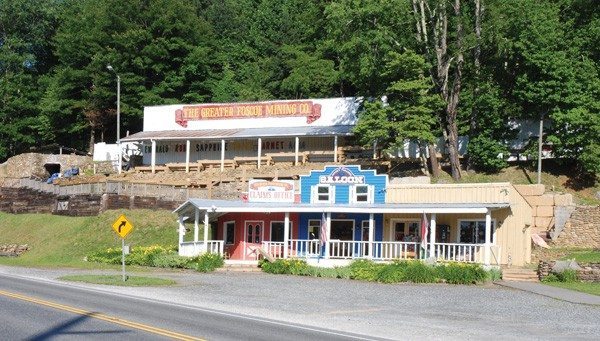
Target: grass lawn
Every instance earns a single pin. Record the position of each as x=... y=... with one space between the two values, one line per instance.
x=590 y=288
x=584 y=256
x=132 y=281
x=59 y=241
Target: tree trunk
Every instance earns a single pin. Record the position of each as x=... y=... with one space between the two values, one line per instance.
x=477 y=69
x=453 y=99
x=92 y=140
x=423 y=157
x=433 y=161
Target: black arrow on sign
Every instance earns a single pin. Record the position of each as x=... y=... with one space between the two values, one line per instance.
x=123 y=223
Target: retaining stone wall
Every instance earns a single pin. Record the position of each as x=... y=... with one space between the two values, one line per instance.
x=590 y=272
x=582 y=229
x=25 y=200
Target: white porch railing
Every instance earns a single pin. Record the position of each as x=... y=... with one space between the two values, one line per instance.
x=191 y=249
x=396 y=250
x=275 y=249
x=468 y=253
x=383 y=250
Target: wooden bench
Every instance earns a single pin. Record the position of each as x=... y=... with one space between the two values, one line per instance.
x=288 y=157
x=148 y=169
x=356 y=153
x=252 y=160
x=180 y=167
x=322 y=156
x=227 y=163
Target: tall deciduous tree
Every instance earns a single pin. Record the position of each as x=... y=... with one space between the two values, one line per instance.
x=441 y=32
x=408 y=112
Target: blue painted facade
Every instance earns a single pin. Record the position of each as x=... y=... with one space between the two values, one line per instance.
x=344 y=185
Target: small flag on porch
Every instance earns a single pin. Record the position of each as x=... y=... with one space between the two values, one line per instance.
x=424 y=226
x=323 y=231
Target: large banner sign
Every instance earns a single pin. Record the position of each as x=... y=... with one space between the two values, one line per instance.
x=342 y=176
x=271 y=191
x=308 y=109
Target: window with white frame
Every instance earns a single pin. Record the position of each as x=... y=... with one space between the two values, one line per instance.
x=229 y=230
x=323 y=194
x=361 y=194
x=277 y=231
x=473 y=232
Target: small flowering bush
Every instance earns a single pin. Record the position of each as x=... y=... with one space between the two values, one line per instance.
x=414 y=271
x=158 y=256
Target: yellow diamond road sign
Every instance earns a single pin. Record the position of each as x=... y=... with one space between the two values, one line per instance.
x=122 y=226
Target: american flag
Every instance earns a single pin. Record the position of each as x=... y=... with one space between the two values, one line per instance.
x=323 y=231
x=424 y=226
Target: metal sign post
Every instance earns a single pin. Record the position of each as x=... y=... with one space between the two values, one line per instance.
x=123 y=258
x=122 y=227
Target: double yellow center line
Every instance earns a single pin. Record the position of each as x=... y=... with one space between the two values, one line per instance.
x=103 y=317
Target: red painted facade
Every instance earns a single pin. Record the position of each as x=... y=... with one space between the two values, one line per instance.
x=243 y=238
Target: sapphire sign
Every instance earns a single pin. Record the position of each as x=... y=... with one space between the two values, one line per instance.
x=342 y=176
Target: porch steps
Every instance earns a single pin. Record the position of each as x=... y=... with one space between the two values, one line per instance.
x=519 y=275
x=239 y=268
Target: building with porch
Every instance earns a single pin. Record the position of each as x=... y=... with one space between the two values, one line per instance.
x=194 y=137
x=362 y=217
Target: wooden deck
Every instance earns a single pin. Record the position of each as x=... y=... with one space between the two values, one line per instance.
x=288 y=157
x=253 y=160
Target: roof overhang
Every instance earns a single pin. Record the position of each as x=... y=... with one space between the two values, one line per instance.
x=223 y=206
x=236 y=134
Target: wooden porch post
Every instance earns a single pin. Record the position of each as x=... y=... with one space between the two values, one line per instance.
x=328 y=226
x=259 y=152
x=432 y=225
x=153 y=156
x=187 y=156
x=488 y=232
x=286 y=234
x=297 y=147
x=196 y=228
x=222 y=155
x=181 y=231
x=335 y=148
x=371 y=234
x=206 y=227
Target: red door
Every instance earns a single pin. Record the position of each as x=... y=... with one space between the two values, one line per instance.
x=254 y=232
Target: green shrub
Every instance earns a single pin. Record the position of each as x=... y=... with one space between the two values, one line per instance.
x=207 y=262
x=494 y=274
x=285 y=267
x=567 y=276
x=550 y=278
x=365 y=270
x=140 y=255
x=170 y=260
x=419 y=272
x=461 y=273
x=392 y=273
x=108 y=256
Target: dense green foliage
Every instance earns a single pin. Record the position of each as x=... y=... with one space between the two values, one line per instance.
x=396 y=272
x=530 y=59
x=158 y=256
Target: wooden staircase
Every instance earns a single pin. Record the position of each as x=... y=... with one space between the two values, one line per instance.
x=239 y=268
x=516 y=274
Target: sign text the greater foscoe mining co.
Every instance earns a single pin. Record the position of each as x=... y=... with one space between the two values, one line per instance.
x=310 y=110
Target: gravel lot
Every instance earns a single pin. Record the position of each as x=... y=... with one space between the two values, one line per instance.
x=398 y=311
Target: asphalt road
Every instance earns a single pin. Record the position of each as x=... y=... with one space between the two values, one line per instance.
x=393 y=311
x=39 y=310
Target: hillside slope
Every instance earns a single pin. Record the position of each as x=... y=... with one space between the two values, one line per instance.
x=65 y=241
